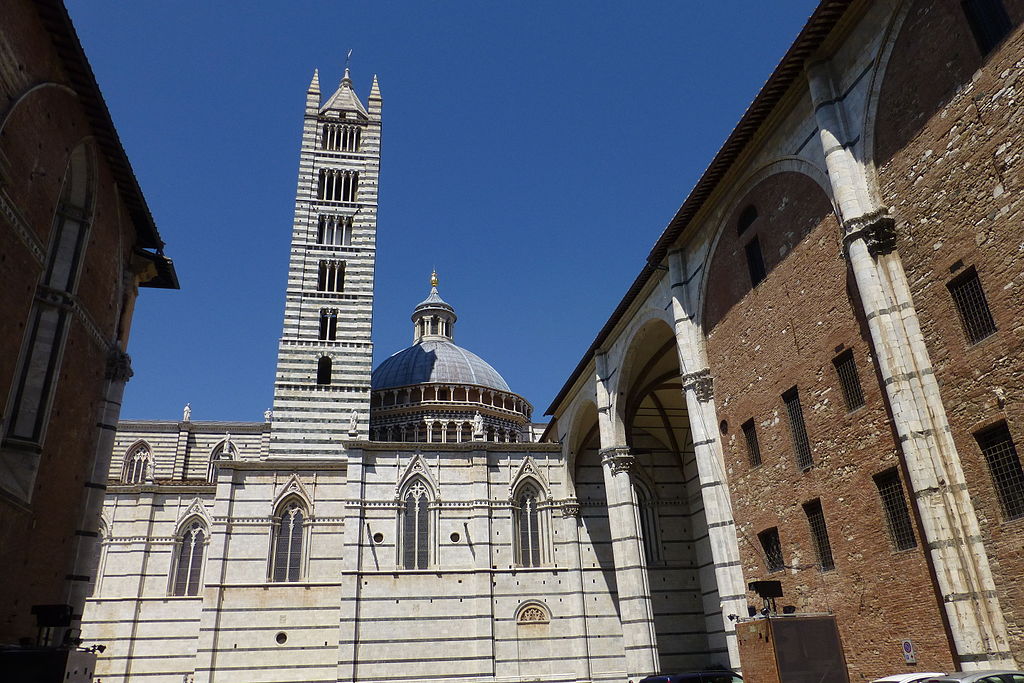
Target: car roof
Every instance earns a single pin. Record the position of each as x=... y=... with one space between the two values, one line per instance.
x=912 y=676
x=975 y=675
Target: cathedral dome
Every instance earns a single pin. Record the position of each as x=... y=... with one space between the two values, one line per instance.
x=436 y=361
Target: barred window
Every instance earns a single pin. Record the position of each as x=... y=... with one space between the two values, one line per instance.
x=1004 y=465
x=189 y=565
x=753 y=448
x=798 y=430
x=755 y=261
x=772 y=548
x=328 y=324
x=331 y=276
x=819 y=535
x=334 y=231
x=288 y=544
x=971 y=305
x=415 y=527
x=988 y=21
x=849 y=381
x=897 y=517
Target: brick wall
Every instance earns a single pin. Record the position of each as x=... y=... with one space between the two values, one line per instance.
x=953 y=182
x=784 y=333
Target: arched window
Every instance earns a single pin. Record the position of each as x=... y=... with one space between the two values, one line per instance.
x=136 y=464
x=189 y=564
x=287 y=560
x=416 y=526
x=527 y=521
x=323 y=370
x=225 y=450
x=746 y=219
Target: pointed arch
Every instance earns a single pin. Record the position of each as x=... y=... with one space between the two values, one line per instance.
x=417 y=467
x=291 y=531
x=225 y=449
x=530 y=523
x=529 y=470
x=191 y=540
x=137 y=463
x=416 y=522
x=293 y=488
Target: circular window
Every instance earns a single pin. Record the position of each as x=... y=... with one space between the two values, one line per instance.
x=455 y=537
x=378 y=537
x=723 y=426
x=281 y=638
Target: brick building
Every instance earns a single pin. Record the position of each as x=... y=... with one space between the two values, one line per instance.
x=76 y=242
x=828 y=332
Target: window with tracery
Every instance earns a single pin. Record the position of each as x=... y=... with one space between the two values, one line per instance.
x=416 y=527
x=533 y=614
x=135 y=465
x=189 y=565
x=528 y=527
x=287 y=560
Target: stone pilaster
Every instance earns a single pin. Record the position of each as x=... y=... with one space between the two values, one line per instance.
x=948 y=518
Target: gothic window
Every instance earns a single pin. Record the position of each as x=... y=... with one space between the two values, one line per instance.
x=527 y=521
x=288 y=542
x=136 y=464
x=334 y=231
x=189 y=563
x=340 y=138
x=337 y=185
x=988 y=21
x=328 y=324
x=416 y=527
x=47 y=327
x=323 y=370
x=331 y=276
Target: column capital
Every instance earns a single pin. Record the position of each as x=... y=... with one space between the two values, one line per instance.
x=570 y=508
x=119 y=365
x=618 y=458
x=701 y=383
x=877 y=228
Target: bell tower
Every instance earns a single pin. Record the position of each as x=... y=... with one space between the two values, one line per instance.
x=325 y=356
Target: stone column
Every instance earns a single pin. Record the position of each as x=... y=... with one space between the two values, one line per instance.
x=86 y=550
x=948 y=519
x=700 y=407
x=634 y=593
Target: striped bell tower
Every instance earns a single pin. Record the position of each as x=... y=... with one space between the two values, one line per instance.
x=325 y=357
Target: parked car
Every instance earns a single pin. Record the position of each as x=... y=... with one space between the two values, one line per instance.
x=702 y=677
x=994 y=676
x=913 y=677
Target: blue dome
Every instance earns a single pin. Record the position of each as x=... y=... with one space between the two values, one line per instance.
x=438 y=361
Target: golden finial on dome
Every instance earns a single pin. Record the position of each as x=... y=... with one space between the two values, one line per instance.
x=433 y=279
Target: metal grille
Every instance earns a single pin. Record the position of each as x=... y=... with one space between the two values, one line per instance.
x=801 y=445
x=772 y=548
x=969 y=298
x=897 y=518
x=846 y=368
x=819 y=534
x=753 y=449
x=1004 y=464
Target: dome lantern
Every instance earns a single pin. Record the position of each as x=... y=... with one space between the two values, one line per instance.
x=434 y=318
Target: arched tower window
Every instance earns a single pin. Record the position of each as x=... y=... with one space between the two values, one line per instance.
x=416 y=526
x=287 y=559
x=189 y=563
x=136 y=463
x=527 y=520
x=323 y=370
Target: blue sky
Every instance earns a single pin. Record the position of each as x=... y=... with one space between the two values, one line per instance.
x=532 y=152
